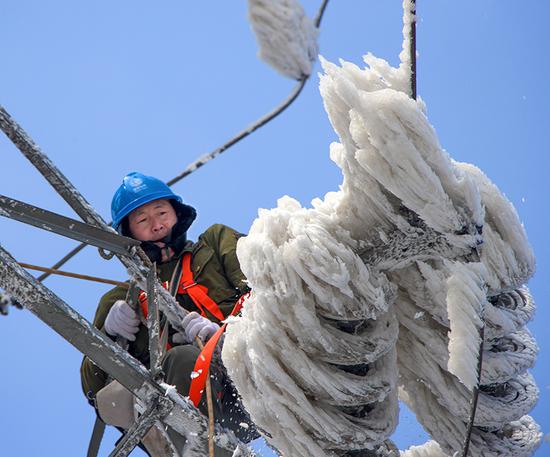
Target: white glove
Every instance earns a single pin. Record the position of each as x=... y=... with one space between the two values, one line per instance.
x=196 y=325
x=122 y=321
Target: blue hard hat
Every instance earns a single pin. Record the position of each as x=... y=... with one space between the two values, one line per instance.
x=136 y=190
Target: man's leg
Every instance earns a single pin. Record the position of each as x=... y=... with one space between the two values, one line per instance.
x=115 y=405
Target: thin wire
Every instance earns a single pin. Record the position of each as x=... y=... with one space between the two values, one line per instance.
x=412 y=49
x=241 y=135
x=475 y=395
x=63 y=261
x=73 y=275
x=216 y=152
x=320 y=13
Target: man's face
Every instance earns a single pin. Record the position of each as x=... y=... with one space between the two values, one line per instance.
x=152 y=221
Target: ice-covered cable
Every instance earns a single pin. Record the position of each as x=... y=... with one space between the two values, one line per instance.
x=410 y=235
x=506 y=390
x=506 y=252
x=313 y=294
x=312 y=355
x=286 y=36
x=508 y=308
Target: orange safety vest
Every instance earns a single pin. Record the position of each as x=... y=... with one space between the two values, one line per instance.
x=199 y=295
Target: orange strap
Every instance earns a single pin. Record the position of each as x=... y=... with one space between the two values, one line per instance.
x=197 y=292
x=202 y=365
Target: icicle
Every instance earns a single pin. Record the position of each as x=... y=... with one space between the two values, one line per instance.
x=466 y=297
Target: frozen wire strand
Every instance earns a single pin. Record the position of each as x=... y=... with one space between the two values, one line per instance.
x=258 y=124
x=412 y=50
x=243 y=134
x=207 y=157
x=475 y=395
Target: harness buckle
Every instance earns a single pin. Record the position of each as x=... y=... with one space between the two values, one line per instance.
x=189 y=285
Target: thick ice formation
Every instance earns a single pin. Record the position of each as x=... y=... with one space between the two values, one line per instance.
x=286 y=36
x=412 y=240
x=305 y=379
x=507 y=254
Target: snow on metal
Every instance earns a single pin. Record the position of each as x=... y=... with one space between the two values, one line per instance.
x=5 y=302
x=286 y=36
x=412 y=239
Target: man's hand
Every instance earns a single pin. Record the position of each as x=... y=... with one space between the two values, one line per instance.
x=122 y=321
x=196 y=325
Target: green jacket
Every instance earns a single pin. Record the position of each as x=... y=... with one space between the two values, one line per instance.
x=214 y=264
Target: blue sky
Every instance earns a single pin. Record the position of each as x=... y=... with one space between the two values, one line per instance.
x=109 y=87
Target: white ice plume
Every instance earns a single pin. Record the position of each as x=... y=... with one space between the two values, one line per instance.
x=287 y=37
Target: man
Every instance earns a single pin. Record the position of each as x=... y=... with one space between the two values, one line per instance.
x=146 y=209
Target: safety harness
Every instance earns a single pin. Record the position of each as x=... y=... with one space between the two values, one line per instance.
x=199 y=295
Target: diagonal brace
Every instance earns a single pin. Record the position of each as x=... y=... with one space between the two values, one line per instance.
x=65 y=226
